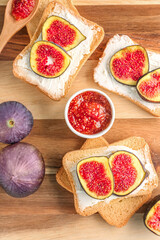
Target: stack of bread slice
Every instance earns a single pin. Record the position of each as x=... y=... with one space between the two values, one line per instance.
x=119 y=210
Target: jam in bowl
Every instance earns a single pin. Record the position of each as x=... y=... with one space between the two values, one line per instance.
x=89 y=113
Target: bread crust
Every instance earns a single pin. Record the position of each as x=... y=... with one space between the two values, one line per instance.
x=155 y=112
x=119 y=211
x=97 y=38
x=71 y=158
x=62 y=179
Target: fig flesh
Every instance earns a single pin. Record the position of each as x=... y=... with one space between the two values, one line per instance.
x=152 y=216
x=16 y=122
x=149 y=86
x=96 y=177
x=61 y=32
x=127 y=171
x=48 y=60
x=129 y=64
x=22 y=169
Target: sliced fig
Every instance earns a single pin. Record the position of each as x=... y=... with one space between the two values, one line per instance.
x=96 y=177
x=152 y=216
x=127 y=171
x=22 y=169
x=149 y=86
x=129 y=64
x=61 y=32
x=16 y=122
x=48 y=60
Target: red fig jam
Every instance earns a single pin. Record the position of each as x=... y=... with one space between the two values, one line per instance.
x=89 y=113
x=22 y=8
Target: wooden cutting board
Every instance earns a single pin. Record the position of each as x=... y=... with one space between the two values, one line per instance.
x=49 y=213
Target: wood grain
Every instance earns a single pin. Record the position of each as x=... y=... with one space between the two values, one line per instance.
x=43 y=107
x=53 y=138
x=49 y=213
x=142 y=26
x=129 y=20
x=106 y=2
x=51 y=227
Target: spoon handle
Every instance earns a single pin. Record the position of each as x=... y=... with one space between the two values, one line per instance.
x=6 y=34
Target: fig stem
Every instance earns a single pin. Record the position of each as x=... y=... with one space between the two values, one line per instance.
x=10 y=123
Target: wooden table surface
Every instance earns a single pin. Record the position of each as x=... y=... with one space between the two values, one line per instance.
x=49 y=213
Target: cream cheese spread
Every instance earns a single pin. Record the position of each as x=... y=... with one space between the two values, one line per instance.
x=103 y=76
x=56 y=86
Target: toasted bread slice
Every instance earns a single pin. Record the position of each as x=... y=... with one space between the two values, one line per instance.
x=104 y=78
x=33 y=24
x=57 y=87
x=118 y=212
x=84 y=204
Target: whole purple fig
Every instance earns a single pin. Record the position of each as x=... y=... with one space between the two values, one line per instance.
x=22 y=169
x=16 y=122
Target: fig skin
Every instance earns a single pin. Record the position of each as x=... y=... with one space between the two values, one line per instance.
x=22 y=169
x=144 y=171
x=57 y=46
x=145 y=99
x=143 y=74
x=67 y=48
x=16 y=122
x=150 y=205
x=111 y=177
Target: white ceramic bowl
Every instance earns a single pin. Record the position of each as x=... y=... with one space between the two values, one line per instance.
x=86 y=135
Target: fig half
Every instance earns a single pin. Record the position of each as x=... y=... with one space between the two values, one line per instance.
x=61 y=32
x=152 y=216
x=96 y=177
x=22 y=169
x=129 y=64
x=149 y=86
x=127 y=171
x=16 y=122
x=48 y=60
